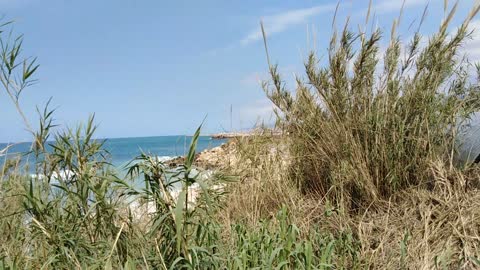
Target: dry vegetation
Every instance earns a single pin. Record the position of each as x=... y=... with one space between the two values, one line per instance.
x=370 y=152
x=417 y=228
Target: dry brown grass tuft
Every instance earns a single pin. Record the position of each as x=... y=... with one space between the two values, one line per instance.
x=425 y=229
x=415 y=229
x=261 y=190
x=371 y=152
x=364 y=125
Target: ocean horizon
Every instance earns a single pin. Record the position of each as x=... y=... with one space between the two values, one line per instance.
x=123 y=150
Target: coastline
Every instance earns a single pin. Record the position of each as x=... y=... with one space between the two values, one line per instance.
x=231 y=135
x=211 y=158
x=248 y=133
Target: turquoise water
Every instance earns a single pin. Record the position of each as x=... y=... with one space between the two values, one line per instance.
x=123 y=150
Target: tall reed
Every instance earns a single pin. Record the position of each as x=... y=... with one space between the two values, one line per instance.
x=362 y=129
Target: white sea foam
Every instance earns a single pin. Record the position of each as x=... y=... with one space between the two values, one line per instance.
x=165 y=158
x=140 y=210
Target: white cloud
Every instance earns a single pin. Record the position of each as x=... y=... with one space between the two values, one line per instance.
x=472 y=47
x=387 y=6
x=287 y=74
x=257 y=112
x=280 y=22
x=254 y=79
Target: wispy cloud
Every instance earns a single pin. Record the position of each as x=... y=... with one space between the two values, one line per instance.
x=472 y=46
x=387 y=6
x=286 y=73
x=280 y=22
x=257 y=112
x=254 y=79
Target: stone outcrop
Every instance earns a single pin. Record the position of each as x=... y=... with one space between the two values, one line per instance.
x=209 y=159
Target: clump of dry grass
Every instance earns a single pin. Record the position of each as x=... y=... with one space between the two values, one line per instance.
x=368 y=148
x=362 y=130
x=415 y=229
x=260 y=164
x=424 y=229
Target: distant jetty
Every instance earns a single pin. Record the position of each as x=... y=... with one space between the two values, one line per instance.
x=241 y=134
x=229 y=135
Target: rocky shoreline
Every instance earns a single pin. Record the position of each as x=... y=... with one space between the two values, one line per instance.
x=209 y=159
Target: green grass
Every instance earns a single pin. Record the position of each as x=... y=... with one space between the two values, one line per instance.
x=81 y=222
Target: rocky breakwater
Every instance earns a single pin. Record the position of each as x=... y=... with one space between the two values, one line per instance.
x=249 y=133
x=210 y=159
x=229 y=135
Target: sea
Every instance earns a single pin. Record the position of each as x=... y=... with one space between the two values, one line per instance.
x=123 y=150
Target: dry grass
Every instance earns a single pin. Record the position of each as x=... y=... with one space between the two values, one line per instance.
x=417 y=228
x=362 y=129
x=439 y=228
x=371 y=152
x=260 y=166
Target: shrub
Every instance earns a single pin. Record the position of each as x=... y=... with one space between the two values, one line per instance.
x=361 y=129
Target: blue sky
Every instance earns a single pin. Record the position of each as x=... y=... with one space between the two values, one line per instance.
x=149 y=68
